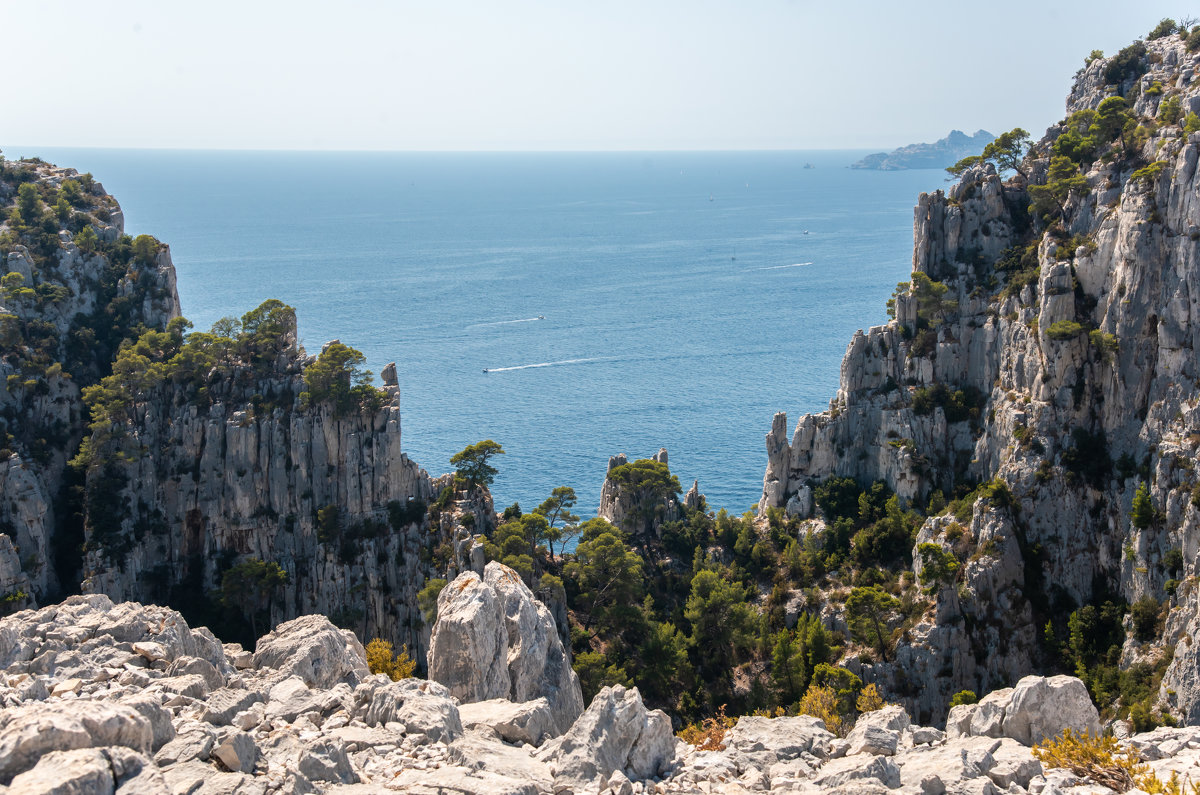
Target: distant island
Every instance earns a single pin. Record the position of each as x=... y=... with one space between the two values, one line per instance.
x=940 y=154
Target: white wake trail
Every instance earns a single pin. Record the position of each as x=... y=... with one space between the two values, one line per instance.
x=547 y=364
x=505 y=322
x=777 y=267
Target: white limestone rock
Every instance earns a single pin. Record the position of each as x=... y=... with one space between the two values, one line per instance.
x=91 y=771
x=29 y=732
x=1041 y=707
x=785 y=737
x=312 y=648
x=616 y=732
x=493 y=639
x=520 y=722
x=422 y=707
x=238 y=752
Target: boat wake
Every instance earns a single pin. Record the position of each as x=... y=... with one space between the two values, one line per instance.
x=777 y=267
x=507 y=322
x=547 y=364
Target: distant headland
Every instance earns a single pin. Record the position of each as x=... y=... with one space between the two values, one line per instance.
x=939 y=154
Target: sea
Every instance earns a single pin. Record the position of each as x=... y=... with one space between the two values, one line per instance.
x=569 y=306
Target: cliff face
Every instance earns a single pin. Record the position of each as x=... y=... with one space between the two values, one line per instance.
x=67 y=301
x=213 y=459
x=331 y=499
x=1063 y=363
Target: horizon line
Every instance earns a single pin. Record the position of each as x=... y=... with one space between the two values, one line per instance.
x=298 y=150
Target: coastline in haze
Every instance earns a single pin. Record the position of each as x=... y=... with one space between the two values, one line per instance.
x=686 y=297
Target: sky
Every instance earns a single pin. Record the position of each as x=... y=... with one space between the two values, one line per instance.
x=562 y=75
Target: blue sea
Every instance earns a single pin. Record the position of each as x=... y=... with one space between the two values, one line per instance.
x=619 y=302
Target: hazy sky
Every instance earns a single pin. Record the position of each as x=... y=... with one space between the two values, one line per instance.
x=517 y=74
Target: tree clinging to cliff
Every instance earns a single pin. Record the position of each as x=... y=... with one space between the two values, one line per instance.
x=471 y=463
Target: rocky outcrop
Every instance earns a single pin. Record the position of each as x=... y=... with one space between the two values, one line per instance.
x=1061 y=364
x=326 y=495
x=639 y=499
x=940 y=154
x=616 y=733
x=113 y=715
x=493 y=639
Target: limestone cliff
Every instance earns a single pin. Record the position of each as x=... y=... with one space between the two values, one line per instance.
x=251 y=474
x=204 y=451
x=1061 y=360
x=74 y=286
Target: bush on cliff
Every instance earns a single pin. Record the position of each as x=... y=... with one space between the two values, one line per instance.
x=337 y=378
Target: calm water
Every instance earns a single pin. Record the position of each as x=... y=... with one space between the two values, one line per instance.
x=686 y=297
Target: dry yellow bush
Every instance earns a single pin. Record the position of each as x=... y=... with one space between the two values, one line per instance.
x=708 y=734
x=382 y=660
x=869 y=699
x=822 y=702
x=1103 y=760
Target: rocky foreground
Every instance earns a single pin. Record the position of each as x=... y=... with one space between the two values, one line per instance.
x=100 y=698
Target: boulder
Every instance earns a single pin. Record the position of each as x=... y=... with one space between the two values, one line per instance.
x=91 y=771
x=1037 y=708
x=468 y=648
x=193 y=743
x=526 y=722
x=29 y=732
x=149 y=707
x=476 y=751
x=221 y=705
x=616 y=732
x=1041 y=707
x=326 y=760
x=839 y=775
x=872 y=740
x=494 y=640
x=238 y=752
x=787 y=738
x=423 y=707
x=312 y=648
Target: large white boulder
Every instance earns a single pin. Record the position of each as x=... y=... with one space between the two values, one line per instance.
x=1042 y=706
x=91 y=771
x=493 y=639
x=786 y=737
x=315 y=650
x=1037 y=708
x=616 y=732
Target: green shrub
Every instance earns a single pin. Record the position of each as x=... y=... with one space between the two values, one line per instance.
x=963 y=697
x=1149 y=174
x=1064 y=330
x=1164 y=28
x=427 y=598
x=1127 y=64
x=1143 y=513
x=1106 y=344
x=1170 y=109
x=1145 y=613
